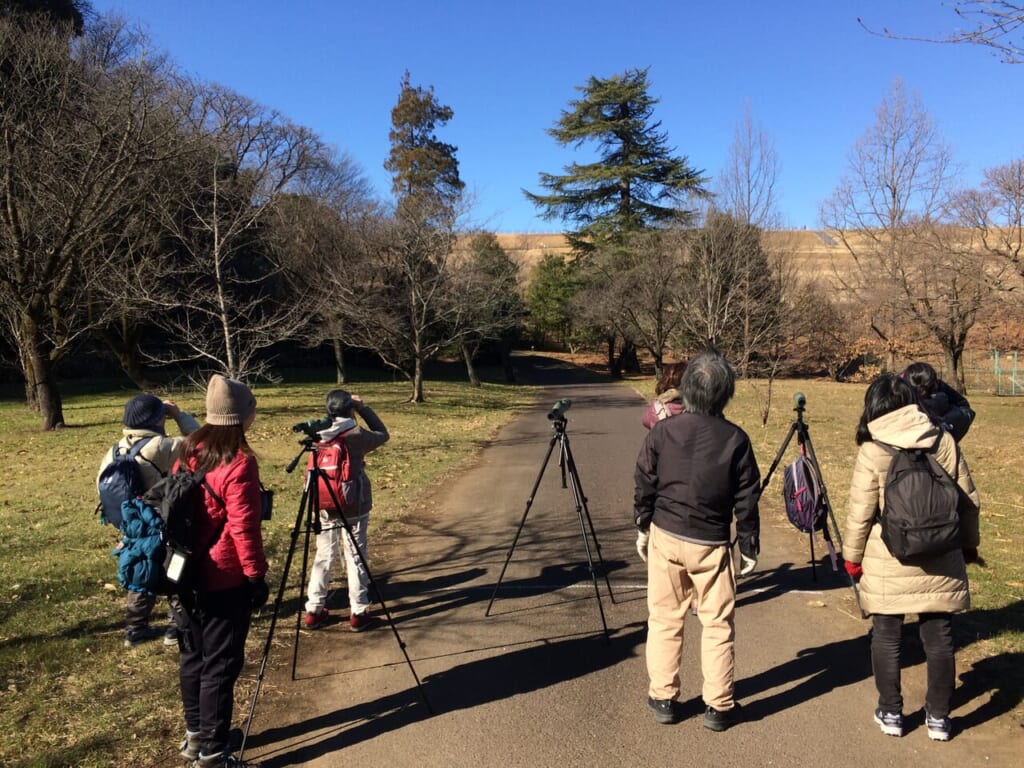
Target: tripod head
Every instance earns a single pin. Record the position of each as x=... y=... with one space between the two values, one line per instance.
x=307 y=445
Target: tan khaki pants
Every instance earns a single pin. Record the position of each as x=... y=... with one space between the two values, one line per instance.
x=675 y=570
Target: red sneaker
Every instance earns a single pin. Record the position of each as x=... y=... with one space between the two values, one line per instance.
x=316 y=620
x=357 y=622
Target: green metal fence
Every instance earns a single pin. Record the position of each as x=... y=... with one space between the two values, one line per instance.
x=993 y=372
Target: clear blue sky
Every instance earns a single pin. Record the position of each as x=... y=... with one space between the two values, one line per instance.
x=811 y=75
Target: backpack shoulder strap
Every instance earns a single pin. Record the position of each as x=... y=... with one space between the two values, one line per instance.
x=930 y=453
x=890 y=449
x=137 y=447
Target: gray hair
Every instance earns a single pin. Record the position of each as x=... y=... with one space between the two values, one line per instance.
x=708 y=384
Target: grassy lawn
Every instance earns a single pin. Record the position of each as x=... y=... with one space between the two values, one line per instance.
x=73 y=696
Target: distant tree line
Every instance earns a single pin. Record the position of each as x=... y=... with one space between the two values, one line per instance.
x=183 y=229
x=186 y=229
x=934 y=263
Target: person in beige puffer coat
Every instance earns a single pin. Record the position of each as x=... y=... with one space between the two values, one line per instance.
x=932 y=587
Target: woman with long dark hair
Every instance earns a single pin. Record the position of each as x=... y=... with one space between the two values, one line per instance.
x=933 y=587
x=230 y=567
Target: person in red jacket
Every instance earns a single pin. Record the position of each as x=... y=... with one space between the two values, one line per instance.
x=231 y=568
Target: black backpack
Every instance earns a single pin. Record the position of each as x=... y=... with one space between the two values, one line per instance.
x=158 y=547
x=120 y=481
x=921 y=511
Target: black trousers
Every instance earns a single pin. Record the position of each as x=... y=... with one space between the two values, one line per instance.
x=936 y=633
x=212 y=644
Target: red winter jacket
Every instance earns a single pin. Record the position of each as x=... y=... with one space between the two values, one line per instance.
x=237 y=551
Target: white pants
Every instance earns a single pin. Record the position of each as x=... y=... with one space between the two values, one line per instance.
x=329 y=541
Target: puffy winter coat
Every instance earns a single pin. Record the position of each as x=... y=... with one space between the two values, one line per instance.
x=232 y=522
x=934 y=584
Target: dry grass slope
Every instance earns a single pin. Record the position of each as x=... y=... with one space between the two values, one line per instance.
x=815 y=254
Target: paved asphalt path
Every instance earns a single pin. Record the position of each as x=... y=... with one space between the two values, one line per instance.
x=538 y=682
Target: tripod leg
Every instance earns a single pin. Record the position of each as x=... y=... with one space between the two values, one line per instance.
x=580 y=508
x=312 y=523
x=809 y=447
x=360 y=556
x=581 y=504
x=522 y=522
x=814 y=562
x=778 y=455
x=273 y=618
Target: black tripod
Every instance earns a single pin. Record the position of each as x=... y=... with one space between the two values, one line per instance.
x=568 y=466
x=803 y=438
x=308 y=518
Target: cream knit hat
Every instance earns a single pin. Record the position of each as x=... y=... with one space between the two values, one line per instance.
x=228 y=401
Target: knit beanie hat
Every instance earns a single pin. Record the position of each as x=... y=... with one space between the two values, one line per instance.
x=339 y=403
x=228 y=401
x=143 y=412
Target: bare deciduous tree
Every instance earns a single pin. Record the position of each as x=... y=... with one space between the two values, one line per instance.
x=77 y=133
x=899 y=176
x=995 y=213
x=731 y=294
x=635 y=289
x=747 y=187
x=408 y=309
x=994 y=24
x=486 y=282
x=243 y=159
x=321 y=235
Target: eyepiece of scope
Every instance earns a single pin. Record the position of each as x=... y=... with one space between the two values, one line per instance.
x=799 y=399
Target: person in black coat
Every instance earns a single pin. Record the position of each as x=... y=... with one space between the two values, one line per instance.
x=946 y=407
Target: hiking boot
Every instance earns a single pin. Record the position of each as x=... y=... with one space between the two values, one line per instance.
x=222 y=760
x=938 y=727
x=171 y=636
x=664 y=710
x=316 y=620
x=357 y=622
x=891 y=723
x=133 y=637
x=715 y=720
x=189 y=747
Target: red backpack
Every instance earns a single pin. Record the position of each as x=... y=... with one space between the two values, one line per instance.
x=337 y=476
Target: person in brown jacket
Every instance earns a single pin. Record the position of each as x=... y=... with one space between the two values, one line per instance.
x=932 y=587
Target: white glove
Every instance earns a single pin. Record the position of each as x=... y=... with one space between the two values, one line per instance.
x=642 y=537
x=747 y=565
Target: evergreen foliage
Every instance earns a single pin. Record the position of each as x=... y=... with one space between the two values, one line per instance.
x=425 y=172
x=636 y=182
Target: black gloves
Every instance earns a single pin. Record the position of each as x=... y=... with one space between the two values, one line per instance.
x=258 y=592
x=750 y=546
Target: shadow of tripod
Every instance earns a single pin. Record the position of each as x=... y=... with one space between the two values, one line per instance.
x=803 y=438
x=567 y=464
x=308 y=519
